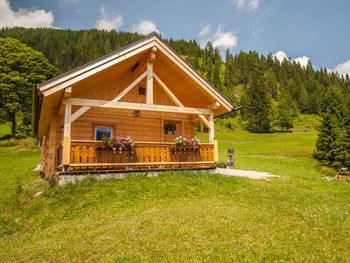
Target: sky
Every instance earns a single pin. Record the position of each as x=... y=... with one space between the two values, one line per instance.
x=294 y=29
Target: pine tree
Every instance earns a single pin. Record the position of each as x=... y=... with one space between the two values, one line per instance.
x=327 y=140
x=285 y=115
x=257 y=104
x=330 y=145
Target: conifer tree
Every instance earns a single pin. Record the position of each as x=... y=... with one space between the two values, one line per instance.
x=257 y=104
x=327 y=140
x=285 y=114
x=330 y=148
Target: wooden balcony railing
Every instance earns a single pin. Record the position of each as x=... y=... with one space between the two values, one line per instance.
x=93 y=155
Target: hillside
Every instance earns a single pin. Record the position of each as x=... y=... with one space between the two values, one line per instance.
x=177 y=217
x=304 y=87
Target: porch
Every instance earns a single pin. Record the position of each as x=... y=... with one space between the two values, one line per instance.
x=93 y=156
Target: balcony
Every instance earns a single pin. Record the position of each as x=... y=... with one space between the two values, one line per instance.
x=92 y=156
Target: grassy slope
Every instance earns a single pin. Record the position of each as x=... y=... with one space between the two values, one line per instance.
x=5 y=129
x=181 y=217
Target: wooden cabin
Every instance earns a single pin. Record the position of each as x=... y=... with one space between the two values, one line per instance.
x=145 y=91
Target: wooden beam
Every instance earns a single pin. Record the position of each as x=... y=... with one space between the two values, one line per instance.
x=135 y=106
x=168 y=91
x=78 y=113
x=152 y=56
x=130 y=87
x=201 y=131
x=67 y=115
x=175 y=99
x=193 y=74
x=60 y=109
x=214 y=105
x=149 y=84
x=66 y=135
x=211 y=128
x=216 y=151
x=84 y=109
x=162 y=129
x=51 y=149
x=87 y=71
x=67 y=92
x=204 y=121
x=182 y=128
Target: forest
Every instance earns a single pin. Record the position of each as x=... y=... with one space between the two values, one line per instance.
x=272 y=93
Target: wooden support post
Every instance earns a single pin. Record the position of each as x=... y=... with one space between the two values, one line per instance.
x=211 y=128
x=216 y=151
x=66 y=136
x=149 y=85
x=162 y=130
x=201 y=123
x=182 y=128
x=51 y=150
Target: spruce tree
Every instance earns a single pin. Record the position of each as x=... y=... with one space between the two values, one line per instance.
x=285 y=115
x=327 y=140
x=330 y=145
x=257 y=104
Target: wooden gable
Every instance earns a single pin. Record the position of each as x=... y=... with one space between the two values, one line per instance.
x=174 y=82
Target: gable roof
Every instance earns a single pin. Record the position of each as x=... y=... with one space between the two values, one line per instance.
x=153 y=39
x=51 y=91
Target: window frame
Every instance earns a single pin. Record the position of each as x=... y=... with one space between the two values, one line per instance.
x=104 y=127
x=172 y=123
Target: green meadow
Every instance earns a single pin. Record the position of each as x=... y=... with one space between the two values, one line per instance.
x=180 y=216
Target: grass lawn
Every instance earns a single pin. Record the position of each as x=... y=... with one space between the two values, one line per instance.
x=181 y=217
x=5 y=129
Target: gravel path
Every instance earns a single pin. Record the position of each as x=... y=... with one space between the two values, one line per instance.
x=244 y=173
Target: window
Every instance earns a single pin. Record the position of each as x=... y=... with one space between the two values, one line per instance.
x=170 y=128
x=142 y=91
x=102 y=130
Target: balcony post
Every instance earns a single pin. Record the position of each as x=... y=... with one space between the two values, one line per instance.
x=66 y=137
x=211 y=128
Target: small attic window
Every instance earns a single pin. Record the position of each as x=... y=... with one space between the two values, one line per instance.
x=142 y=91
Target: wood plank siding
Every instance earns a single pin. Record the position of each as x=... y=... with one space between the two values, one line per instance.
x=135 y=91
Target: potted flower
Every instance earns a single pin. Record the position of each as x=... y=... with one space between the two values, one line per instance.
x=181 y=141
x=118 y=143
x=194 y=142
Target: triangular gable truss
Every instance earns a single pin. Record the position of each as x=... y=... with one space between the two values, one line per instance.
x=152 y=41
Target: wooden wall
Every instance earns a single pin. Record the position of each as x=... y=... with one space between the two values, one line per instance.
x=147 y=127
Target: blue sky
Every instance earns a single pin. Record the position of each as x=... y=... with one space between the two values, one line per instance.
x=315 y=29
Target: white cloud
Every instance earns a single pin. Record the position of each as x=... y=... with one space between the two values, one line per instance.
x=108 y=22
x=24 y=17
x=281 y=55
x=224 y=39
x=145 y=27
x=343 y=68
x=220 y=38
x=205 y=30
x=250 y=5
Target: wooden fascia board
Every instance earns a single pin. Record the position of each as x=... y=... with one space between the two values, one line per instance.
x=84 y=72
x=193 y=74
x=135 y=106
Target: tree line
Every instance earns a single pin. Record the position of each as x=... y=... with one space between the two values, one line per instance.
x=272 y=92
